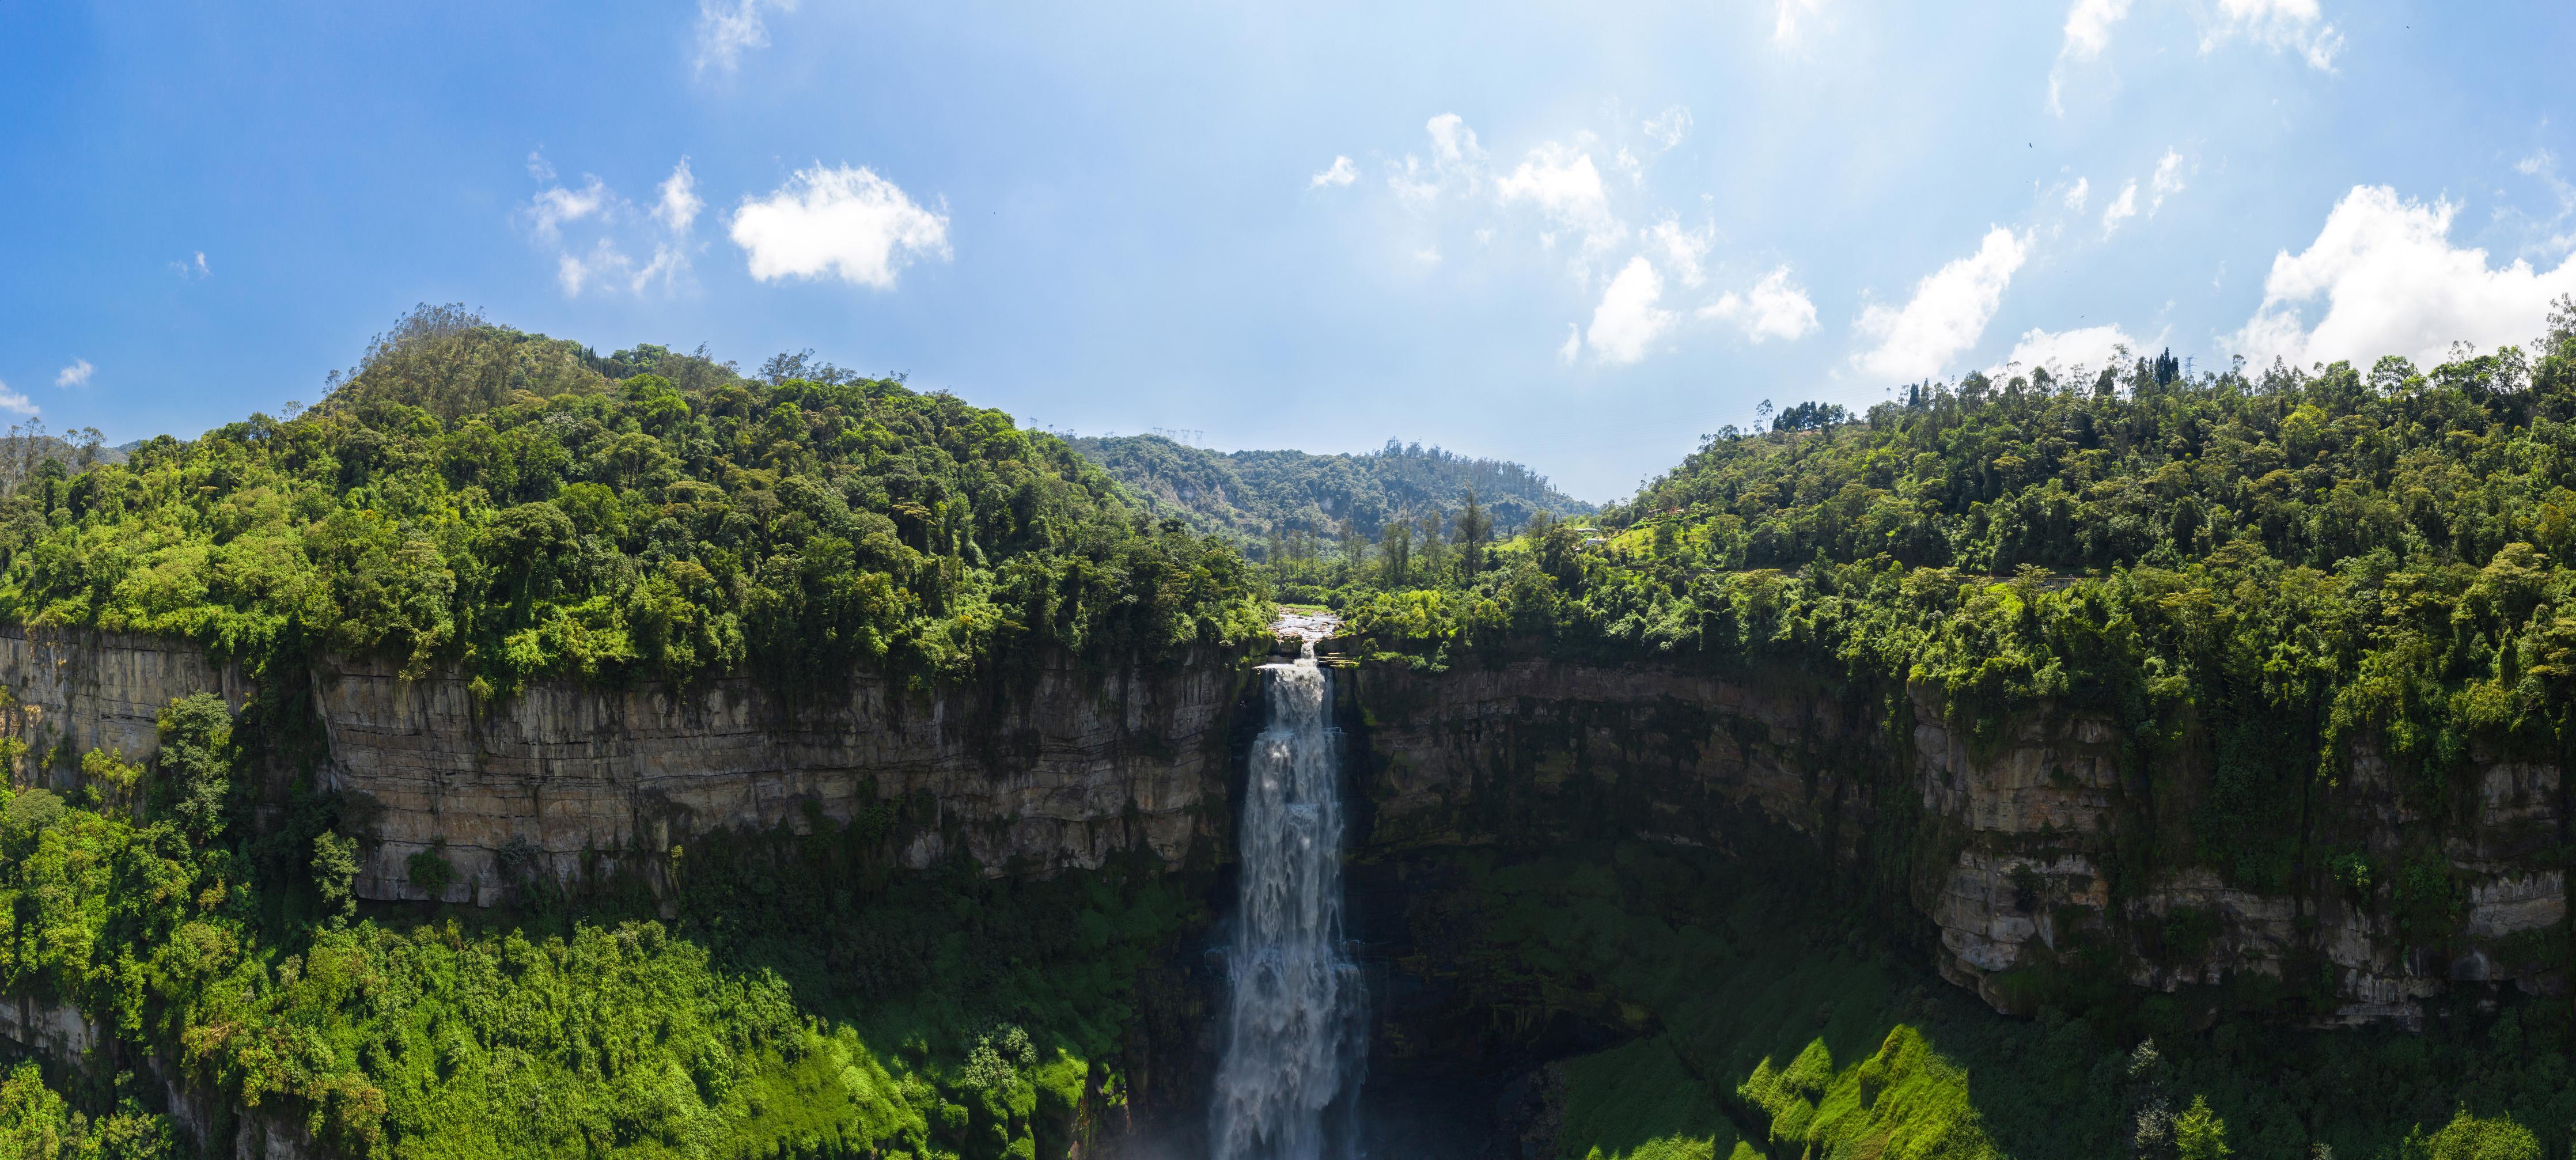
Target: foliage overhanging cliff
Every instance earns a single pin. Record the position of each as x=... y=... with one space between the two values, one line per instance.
x=2293 y=560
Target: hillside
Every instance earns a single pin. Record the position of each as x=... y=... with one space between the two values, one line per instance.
x=516 y=505
x=1254 y=497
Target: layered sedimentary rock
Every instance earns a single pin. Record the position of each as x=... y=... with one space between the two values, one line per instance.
x=1054 y=772
x=2008 y=848
x=1057 y=770
x=66 y=693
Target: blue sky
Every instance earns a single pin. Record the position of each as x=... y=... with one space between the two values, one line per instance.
x=1575 y=235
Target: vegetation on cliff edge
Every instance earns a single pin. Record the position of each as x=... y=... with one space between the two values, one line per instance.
x=517 y=507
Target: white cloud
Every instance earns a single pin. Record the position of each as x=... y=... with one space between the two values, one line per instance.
x=1456 y=159
x=1683 y=249
x=15 y=401
x=2393 y=284
x=1567 y=186
x=1628 y=164
x=1785 y=27
x=1340 y=173
x=2168 y=180
x=2121 y=209
x=849 y=223
x=729 y=28
x=1573 y=347
x=605 y=262
x=2088 y=32
x=1628 y=319
x=192 y=270
x=2088 y=26
x=1428 y=253
x=2295 y=25
x=1947 y=314
x=2063 y=351
x=75 y=375
x=1774 y=308
x=555 y=207
x=2077 y=193
x=1667 y=128
x=2543 y=166
x=613 y=226
x=1452 y=142
x=679 y=206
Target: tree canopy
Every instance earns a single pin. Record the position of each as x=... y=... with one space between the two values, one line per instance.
x=517 y=506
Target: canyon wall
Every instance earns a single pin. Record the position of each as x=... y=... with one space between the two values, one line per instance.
x=2030 y=859
x=2008 y=850
x=1055 y=771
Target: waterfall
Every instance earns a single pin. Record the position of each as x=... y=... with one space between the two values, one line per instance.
x=1296 y=1036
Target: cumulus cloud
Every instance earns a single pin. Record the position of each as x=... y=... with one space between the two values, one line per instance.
x=613 y=230
x=1774 y=308
x=556 y=207
x=1564 y=184
x=2392 y=283
x=1457 y=161
x=2088 y=32
x=679 y=206
x=2281 y=25
x=729 y=28
x=15 y=401
x=2077 y=193
x=192 y=270
x=1452 y=142
x=2168 y=180
x=843 y=222
x=75 y=375
x=1667 y=128
x=2065 y=351
x=1629 y=320
x=1947 y=314
x=2121 y=209
x=1683 y=249
x=1340 y=173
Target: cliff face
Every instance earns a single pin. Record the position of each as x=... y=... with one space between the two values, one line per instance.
x=2034 y=858
x=1053 y=773
x=2009 y=850
x=76 y=692
x=1057 y=773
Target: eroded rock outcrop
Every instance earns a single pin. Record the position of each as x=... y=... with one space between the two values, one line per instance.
x=1058 y=770
x=2008 y=848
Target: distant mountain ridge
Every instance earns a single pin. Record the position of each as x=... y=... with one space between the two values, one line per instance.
x=1254 y=495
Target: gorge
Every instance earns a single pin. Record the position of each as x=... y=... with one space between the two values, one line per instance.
x=643 y=759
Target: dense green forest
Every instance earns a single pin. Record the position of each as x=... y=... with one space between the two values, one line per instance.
x=2287 y=561
x=807 y=1000
x=517 y=507
x=1293 y=505
x=2293 y=557
x=474 y=496
x=2271 y=567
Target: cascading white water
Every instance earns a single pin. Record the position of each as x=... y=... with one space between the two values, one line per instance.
x=1296 y=1039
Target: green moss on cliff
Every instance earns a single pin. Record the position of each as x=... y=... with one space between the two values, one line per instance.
x=1754 y=992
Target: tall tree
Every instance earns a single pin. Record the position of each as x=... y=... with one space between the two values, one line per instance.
x=1474 y=529
x=1395 y=552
